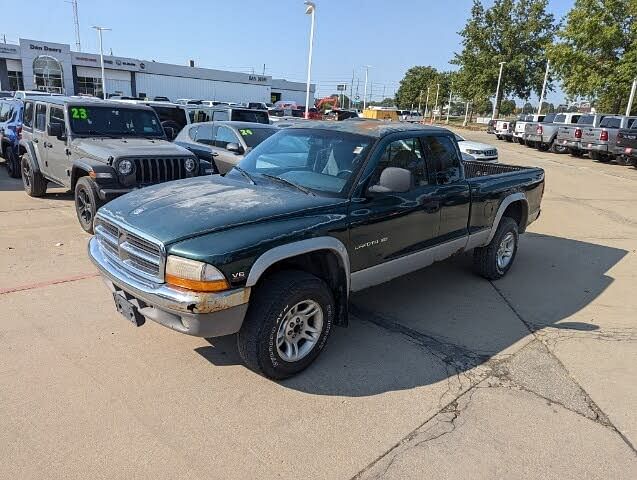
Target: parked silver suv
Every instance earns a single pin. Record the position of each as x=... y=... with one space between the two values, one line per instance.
x=98 y=149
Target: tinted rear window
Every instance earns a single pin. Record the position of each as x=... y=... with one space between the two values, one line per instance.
x=611 y=122
x=631 y=123
x=586 y=120
x=257 y=116
x=559 y=118
x=549 y=118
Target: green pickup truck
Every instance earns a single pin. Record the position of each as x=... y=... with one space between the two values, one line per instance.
x=272 y=250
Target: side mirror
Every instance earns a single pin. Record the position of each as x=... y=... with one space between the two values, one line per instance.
x=392 y=179
x=56 y=130
x=170 y=132
x=234 y=148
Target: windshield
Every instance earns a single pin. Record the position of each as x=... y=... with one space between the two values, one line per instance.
x=253 y=136
x=114 y=121
x=256 y=116
x=323 y=161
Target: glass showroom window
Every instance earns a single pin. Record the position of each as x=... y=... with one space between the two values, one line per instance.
x=48 y=74
x=89 y=86
x=16 y=81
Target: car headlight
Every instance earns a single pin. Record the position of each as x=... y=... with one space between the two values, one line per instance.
x=190 y=165
x=125 y=167
x=471 y=152
x=194 y=275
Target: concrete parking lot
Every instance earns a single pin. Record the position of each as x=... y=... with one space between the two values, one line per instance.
x=441 y=373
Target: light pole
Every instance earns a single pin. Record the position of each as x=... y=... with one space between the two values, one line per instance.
x=309 y=10
x=426 y=104
x=466 y=112
x=365 y=89
x=436 y=105
x=99 y=34
x=419 y=101
x=632 y=97
x=449 y=104
x=497 y=91
x=546 y=76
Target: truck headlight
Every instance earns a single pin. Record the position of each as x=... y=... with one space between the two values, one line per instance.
x=125 y=167
x=194 y=275
x=190 y=165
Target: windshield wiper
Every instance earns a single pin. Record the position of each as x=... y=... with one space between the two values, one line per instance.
x=295 y=185
x=245 y=174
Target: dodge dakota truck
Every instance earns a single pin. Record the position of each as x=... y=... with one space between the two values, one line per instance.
x=272 y=250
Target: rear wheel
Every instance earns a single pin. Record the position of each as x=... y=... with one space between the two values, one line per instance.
x=576 y=152
x=34 y=183
x=13 y=166
x=287 y=325
x=521 y=141
x=494 y=260
x=87 y=202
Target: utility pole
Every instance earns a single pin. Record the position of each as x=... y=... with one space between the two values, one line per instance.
x=76 y=22
x=309 y=10
x=419 y=101
x=629 y=107
x=497 y=91
x=365 y=91
x=99 y=34
x=546 y=76
x=466 y=112
x=4 y=38
x=436 y=106
x=351 y=90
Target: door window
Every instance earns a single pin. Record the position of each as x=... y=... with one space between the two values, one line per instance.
x=28 y=114
x=204 y=135
x=5 y=111
x=442 y=156
x=225 y=136
x=56 y=115
x=221 y=115
x=192 y=133
x=405 y=154
x=40 y=116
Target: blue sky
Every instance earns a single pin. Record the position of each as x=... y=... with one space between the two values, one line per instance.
x=242 y=35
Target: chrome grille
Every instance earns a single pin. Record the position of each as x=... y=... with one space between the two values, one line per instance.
x=159 y=169
x=141 y=256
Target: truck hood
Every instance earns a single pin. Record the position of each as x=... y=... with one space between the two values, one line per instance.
x=174 y=211
x=102 y=148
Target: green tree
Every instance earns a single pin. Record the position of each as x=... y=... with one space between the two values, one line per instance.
x=507 y=107
x=413 y=88
x=528 y=108
x=513 y=31
x=596 y=54
x=385 y=102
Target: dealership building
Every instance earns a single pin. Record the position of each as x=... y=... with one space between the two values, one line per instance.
x=37 y=65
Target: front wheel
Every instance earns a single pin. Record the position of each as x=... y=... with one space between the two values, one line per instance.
x=34 y=182
x=87 y=202
x=287 y=325
x=494 y=260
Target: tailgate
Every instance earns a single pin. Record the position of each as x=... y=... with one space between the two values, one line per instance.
x=590 y=134
x=566 y=133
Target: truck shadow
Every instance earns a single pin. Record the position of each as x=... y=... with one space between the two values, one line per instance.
x=420 y=329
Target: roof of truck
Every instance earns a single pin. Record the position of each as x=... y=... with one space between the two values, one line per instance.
x=368 y=127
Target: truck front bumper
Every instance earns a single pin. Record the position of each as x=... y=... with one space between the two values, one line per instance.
x=201 y=314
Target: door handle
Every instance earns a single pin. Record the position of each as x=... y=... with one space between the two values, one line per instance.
x=214 y=154
x=35 y=140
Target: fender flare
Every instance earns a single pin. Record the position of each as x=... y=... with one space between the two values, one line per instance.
x=276 y=254
x=28 y=146
x=508 y=200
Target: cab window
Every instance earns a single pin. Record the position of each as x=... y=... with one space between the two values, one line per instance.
x=6 y=109
x=204 y=135
x=56 y=115
x=221 y=115
x=405 y=154
x=40 y=116
x=442 y=156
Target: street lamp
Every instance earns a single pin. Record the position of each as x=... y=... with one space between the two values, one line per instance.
x=546 y=76
x=309 y=10
x=367 y=67
x=99 y=34
x=497 y=91
x=436 y=105
x=632 y=97
x=426 y=105
x=449 y=104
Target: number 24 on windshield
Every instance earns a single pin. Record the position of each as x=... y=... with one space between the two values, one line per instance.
x=79 y=113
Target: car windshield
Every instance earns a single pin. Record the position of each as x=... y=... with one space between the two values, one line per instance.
x=253 y=136
x=114 y=121
x=322 y=161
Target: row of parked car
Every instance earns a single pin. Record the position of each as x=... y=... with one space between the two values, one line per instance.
x=603 y=137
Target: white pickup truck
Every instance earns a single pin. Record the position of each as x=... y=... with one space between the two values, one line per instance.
x=503 y=130
x=518 y=131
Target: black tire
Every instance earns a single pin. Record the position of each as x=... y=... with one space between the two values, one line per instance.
x=87 y=202
x=13 y=166
x=521 y=141
x=576 y=153
x=499 y=137
x=542 y=147
x=270 y=302
x=34 y=183
x=508 y=139
x=485 y=259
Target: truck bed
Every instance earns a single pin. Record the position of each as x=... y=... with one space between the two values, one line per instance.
x=484 y=169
